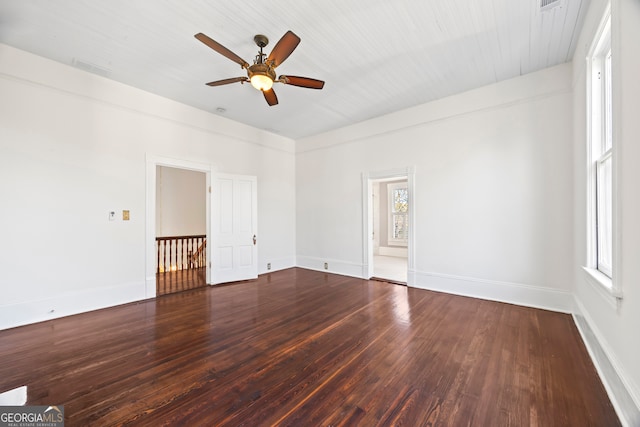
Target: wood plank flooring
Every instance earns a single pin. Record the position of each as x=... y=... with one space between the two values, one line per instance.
x=305 y=348
x=183 y=280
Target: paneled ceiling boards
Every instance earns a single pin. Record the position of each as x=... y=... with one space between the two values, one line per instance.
x=376 y=57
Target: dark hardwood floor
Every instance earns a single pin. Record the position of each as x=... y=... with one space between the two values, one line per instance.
x=182 y=280
x=306 y=348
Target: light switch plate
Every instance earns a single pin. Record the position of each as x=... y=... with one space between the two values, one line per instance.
x=112 y=215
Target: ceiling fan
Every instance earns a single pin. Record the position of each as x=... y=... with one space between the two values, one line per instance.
x=262 y=73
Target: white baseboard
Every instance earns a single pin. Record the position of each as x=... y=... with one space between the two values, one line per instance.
x=151 y=284
x=277 y=264
x=70 y=303
x=512 y=293
x=334 y=266
x=624 y=398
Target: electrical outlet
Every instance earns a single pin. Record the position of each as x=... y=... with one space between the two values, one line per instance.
x=125 y=215
x=268 y=266
x=326 y=265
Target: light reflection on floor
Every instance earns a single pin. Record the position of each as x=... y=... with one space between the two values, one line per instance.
x=401 y=308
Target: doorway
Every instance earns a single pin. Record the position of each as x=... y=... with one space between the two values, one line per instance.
x=181 y=227
x=390 y=210
x=388 y=243
x=231 y=249
x=152 y=262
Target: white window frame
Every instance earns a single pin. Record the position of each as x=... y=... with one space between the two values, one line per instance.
x=390 y=189
x=600 y=152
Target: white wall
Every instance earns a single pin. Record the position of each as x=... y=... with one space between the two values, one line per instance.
x=610 y=327
x=73 y=146
x=493 y=190
x=180 y=202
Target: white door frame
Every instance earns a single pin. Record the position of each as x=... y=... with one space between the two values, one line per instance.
x=150 y=230
x=367 y=218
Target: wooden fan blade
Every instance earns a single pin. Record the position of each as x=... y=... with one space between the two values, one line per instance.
x=228 y=81
x=302 y=82
x=270 y=96
x=283 y=48
x=221 y=49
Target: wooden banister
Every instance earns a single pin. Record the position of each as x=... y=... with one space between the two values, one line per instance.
x=177 y=252
x=198 y=255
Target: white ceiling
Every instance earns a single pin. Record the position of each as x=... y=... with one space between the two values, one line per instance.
x=376 y=56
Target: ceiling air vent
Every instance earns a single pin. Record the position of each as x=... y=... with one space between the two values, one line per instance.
x=550 y=4
x=92 y=68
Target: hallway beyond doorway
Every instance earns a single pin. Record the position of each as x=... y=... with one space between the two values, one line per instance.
x=390 y=267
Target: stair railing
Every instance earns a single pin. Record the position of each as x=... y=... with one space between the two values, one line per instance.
x=175 y=253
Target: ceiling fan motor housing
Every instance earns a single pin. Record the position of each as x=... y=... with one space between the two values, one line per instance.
x=262 y=69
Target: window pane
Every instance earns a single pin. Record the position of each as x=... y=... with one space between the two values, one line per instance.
x=400 y=227
x=608 y=109
x=400 y=200
x=604 y=215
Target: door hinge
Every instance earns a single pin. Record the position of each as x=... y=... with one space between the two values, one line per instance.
x=209 y=189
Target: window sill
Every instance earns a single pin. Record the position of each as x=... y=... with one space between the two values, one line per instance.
x=603 y=285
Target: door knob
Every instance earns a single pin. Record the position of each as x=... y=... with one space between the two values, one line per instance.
x=254 y=239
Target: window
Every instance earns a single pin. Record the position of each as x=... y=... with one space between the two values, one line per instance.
x=398 y=214
x=600 y=152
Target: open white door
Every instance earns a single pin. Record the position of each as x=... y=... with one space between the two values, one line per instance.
x=234 y=228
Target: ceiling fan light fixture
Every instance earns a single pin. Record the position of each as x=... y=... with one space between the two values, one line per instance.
x=261 y=82
x=261 y=76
